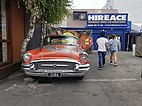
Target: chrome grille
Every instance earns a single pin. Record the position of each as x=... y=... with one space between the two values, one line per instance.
x=54 y=65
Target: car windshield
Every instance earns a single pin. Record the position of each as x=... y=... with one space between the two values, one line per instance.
x=71 y=40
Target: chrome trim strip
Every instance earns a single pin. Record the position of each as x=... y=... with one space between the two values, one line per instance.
x=66 y=60
x=26 y=65
x=84 y=69
x=63 y=74
x=62 y=65
x=85 y=53
x=58 y=65
x=56 y=71
x=26 y=69
x=84 y=65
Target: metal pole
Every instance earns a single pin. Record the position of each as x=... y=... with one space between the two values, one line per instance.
x=141 y=30
x=128 y=42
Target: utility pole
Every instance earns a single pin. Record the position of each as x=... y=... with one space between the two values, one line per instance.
x=109 y=4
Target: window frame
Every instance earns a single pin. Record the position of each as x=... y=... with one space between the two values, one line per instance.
x=79 y=13
x=7 y=40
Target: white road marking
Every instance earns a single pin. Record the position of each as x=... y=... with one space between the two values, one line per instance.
x=32 y=86
x=12 y=87
x=109 y=80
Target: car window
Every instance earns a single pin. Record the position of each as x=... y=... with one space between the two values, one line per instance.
x=63 y=40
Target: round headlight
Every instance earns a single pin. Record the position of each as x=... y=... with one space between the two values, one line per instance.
x=84 y=57
x=26 y=57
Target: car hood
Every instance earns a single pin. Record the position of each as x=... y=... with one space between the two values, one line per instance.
x=55 y=51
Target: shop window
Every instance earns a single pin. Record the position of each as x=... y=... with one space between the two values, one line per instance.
x=79 y=15
x=3 y=32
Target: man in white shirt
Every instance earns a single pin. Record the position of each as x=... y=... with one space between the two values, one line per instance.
x=102 y=44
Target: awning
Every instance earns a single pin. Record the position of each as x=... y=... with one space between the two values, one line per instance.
x=137 y=27
x=134 y=32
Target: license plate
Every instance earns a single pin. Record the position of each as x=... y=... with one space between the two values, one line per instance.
x=54 y=75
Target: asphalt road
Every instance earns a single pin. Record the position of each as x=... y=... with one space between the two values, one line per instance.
x=112 y=86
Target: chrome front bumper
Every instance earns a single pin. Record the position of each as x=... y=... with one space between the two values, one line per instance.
x=80 y=71
x=64 y=73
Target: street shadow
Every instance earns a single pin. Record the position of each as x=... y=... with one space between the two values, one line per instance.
x=58 y=80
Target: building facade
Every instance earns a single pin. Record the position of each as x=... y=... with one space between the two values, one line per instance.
x=79 y=21
x=11 y=36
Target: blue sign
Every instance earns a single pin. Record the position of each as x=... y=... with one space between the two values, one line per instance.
x=129 y=25
x=107 y=20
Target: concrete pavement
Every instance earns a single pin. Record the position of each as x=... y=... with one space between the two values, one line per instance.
x=112 y=86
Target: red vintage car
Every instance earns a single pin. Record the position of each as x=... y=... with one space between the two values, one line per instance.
x=61 y=56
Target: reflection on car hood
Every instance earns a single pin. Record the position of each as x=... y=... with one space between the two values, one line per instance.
x=56 y=51
x=59 y=48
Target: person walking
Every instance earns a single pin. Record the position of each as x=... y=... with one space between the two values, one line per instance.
x=102 y=44
x=114 y=46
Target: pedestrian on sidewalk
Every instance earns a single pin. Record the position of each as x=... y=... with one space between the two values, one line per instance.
x=114 y=46
x=102 y=44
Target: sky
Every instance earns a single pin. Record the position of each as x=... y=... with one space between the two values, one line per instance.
x=88 y=4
